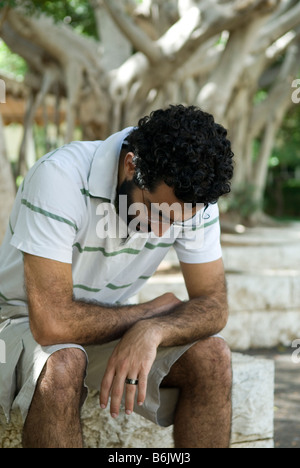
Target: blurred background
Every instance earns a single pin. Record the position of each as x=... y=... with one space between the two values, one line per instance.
x=83 y=69
x=79 y=69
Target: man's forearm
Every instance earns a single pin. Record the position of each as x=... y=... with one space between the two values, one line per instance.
x=87 y=323
x=98 y=324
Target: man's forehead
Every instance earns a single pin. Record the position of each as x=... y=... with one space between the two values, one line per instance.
x=164 y=203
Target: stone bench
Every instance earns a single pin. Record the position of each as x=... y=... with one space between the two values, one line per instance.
x=252 y=423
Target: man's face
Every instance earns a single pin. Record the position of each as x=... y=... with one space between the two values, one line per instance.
x=154 y=211
x=146 y=211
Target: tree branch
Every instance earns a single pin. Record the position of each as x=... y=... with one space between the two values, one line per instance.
x=280 y=102
x=43 y=33
x=216 y=95
x=136 y=36
x=7 y=186
x=179 y=34
x=179 y=47
x=278 y=27
x=30 y=52
x=117 y=48
x=262 y=111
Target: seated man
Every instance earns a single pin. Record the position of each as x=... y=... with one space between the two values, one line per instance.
x=91 y=223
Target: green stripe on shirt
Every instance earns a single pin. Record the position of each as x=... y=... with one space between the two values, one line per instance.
x=104 y=252
x=86 y=193
x=114 y=287
x=48 y=214
x=86 y=288
x=109 y=286
x=210 y=223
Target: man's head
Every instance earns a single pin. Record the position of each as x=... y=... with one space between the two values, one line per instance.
x=184 y=148
x=178 y=156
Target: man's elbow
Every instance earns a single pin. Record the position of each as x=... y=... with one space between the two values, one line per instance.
x=223 y=316
x=42 y=337
x=45 y=332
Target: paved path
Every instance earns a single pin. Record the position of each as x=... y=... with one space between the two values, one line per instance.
x=287 y=396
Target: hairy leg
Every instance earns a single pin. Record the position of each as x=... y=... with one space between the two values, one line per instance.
x=53 y=419
x=203 y=414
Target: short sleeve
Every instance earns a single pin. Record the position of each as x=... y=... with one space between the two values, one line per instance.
x=50 y=214
x=201 y=243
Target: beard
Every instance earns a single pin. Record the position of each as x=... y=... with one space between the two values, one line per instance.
x=127 y=189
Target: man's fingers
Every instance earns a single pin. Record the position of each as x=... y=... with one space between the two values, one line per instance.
x=106 y=386
x=116 y=395
x=130 y=397
x=143 y=380
x=131 y=390
x=113 y=386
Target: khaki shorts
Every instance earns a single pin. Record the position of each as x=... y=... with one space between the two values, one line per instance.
x=25 y=360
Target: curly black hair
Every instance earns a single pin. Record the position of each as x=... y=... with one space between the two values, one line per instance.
x=186 y=149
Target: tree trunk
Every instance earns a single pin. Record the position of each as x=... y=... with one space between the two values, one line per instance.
x=7 y=186
x=282 y=101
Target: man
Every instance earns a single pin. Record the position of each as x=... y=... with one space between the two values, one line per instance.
x=91 y=223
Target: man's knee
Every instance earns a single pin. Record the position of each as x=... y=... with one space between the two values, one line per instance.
x=212 y=358
x=213 y=349
x=63 y=374
x=207 y=360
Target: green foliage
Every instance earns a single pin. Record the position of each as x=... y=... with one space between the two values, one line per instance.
x=260 y=96
x=243 y=201
x=77 y=13
x=11 y=63
x=287 y=148
x=292 y=184
x=282 y=197
x=10 y=3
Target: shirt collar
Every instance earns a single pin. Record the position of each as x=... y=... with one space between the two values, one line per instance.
x=103 y=179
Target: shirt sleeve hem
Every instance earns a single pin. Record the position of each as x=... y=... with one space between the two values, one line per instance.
x=57 y=254
x=193 y=258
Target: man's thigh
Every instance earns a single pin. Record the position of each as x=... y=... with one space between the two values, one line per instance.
x=25 y=360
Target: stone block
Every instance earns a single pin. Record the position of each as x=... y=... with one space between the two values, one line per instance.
x=253 y=258
x=264 y=329
x=253 y=400
x=253 y=394
x=262 y=291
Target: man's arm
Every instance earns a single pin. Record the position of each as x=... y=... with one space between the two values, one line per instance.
x=55 y=317
x=204 y=315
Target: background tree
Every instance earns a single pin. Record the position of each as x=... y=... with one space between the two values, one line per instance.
x=116 y=60
x=7 y=186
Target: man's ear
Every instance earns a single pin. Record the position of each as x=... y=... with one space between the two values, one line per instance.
x=129 y=166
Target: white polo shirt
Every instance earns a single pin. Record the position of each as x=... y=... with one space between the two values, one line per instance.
x=59 y=214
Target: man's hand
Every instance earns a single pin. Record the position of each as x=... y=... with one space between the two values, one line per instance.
x=173 y=323
x=133 y=358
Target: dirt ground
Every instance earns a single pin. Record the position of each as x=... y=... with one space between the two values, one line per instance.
x=287 y=395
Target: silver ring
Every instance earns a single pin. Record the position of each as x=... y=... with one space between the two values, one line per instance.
x=132 y=382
